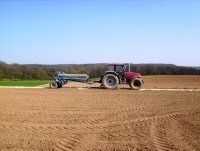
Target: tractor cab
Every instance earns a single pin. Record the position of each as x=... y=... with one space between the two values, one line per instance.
x=119 y=68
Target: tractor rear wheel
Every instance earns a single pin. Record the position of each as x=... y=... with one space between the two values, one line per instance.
x=136 y=84
x=110 y=81
x=53 y=85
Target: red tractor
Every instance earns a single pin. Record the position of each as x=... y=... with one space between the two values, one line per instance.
x=117 y=74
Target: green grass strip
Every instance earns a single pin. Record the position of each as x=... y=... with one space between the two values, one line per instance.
x=24 y=82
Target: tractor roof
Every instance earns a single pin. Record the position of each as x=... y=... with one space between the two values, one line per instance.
x=117 y=64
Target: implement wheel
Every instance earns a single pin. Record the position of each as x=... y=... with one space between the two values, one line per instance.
x=110 y=81
x=135 y=84
x=53 y=85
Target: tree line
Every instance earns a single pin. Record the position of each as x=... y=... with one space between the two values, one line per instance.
x=41 y=72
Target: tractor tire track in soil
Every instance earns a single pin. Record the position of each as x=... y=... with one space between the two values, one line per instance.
x=43 y=119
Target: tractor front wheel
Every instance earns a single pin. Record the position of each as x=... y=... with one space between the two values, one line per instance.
x=136 y=84
x=110 y=81
x=53 y=85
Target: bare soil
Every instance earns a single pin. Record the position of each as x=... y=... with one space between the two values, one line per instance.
x=99 y=119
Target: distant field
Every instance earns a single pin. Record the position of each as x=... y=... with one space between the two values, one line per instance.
x=156 y=82
x=172 y=81
x=24 y=82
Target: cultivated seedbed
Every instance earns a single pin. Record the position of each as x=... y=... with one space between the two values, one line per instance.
x=100 y=119
x=71 y=119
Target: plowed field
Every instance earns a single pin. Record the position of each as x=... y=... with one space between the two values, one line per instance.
x=99 y=119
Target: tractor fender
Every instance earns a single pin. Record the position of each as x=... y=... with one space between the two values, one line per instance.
x=134 y=77
x=110 y=72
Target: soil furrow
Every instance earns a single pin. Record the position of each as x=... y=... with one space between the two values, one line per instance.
x=71 y=119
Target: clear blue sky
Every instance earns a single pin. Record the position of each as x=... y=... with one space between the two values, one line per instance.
x=65 y=32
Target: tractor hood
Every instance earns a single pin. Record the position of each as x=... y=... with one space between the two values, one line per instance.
x=131 y=75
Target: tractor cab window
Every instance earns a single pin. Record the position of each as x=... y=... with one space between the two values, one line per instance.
x=116 y=68
x=111 y=68
x=119 y=69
